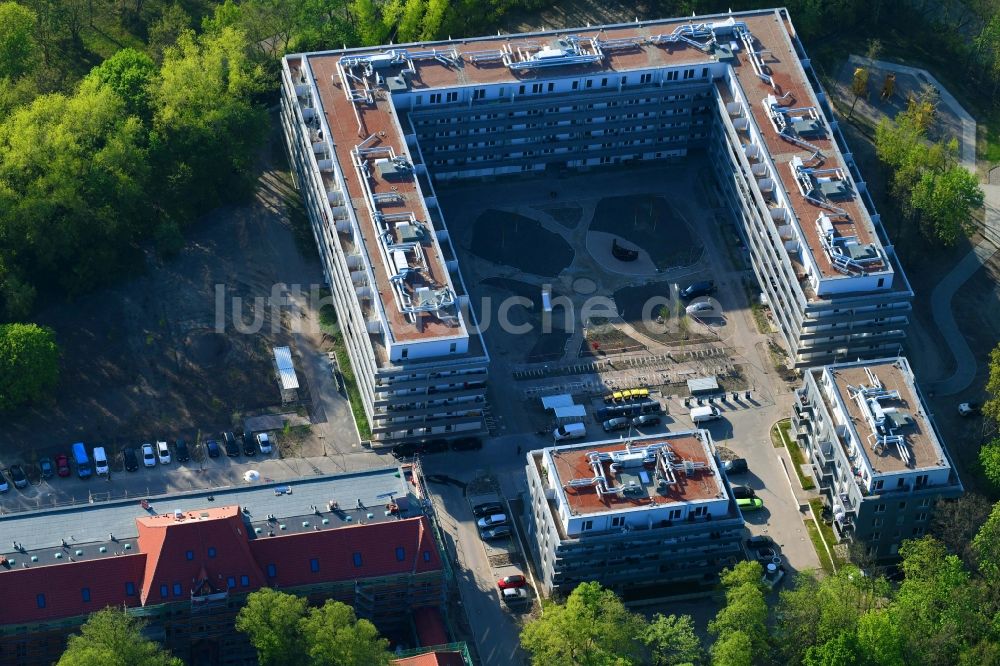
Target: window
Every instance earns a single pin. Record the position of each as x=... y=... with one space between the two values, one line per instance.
x=704 y=75
x=314 y=565
x=400 y=554
x=405 y=352
x=164 y=591
x=617 y=521
x=452 y=97
x=576 y=85
x=211 y=551
x=479 y=93
x=452 y=348
x=245 y=581
x=588 y=524
x=178 y=590
x=435 y=98
x=357 y=559
x=189 y=554
x=646 y=78
x=924 y=503
x=922 y=480
x=551 y=87
x=427 y=556
x=902 y=505
x=877 y=522
x=877 y=485
x=272 y=571
x=921 y=517
x=880 y=508
x=590 y=83
x=85 y=593
x=231 y=582
x=40 y=600
x=520 y=90
x=604 y=83
x=130 y=589
x=876 y=536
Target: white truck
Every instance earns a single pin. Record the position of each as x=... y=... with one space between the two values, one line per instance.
x=705 y=413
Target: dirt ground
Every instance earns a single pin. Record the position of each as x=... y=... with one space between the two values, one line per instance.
x=144 y=359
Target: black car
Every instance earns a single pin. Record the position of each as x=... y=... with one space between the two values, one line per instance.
x=406 y=450
x=18 y=476
x=646 y=420
x=435 y=446
x=759 y=541
x=232 y=446
x=487 y=509
x=181 y=451
x=213 y=449
x=617 y=423
x=249 y=444
x=743 y=492
x=697 y=289
x=735 y=466
x=131 y=459
x=466 y=444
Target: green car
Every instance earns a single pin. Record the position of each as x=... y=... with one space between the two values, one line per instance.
x=750 y=503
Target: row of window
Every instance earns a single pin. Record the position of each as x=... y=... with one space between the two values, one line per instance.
x=422 y=121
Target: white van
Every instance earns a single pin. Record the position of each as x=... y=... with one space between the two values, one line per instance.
x=569 y=431
x=100 y=461
x=706 y=413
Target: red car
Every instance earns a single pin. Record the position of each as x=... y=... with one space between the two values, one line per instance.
x=508 y=582
x=62 y=465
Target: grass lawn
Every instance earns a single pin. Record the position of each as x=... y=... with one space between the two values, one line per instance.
x=779 y=433
x=825 y=530
x=353 y=394
x=824 y=557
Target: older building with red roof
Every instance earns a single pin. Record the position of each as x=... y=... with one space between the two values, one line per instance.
x=186 y=562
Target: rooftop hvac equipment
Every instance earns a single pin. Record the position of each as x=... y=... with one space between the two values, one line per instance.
x=571 y=51
x=846 y=253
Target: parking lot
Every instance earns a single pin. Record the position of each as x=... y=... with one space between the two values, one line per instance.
x=198 y=473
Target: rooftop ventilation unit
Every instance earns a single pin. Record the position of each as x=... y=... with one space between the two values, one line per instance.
x=880 y=419
x=570 y=51
x=846 y=254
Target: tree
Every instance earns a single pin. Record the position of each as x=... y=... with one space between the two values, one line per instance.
x=840 y=650
x=991 y=408
x=113 y=637
x=799 y=610
x=592 y=627
x=956 y=522
x=733 y=649
x=206 y=125
x=945 y=200
x=880 y=639
x=271 y=621
x=17 y=41
x=672 y=641
x=986 y=546
x=745 y=611
x=29 y=364
x=434 y=19
x=164 y=32
x=333 y=634
x=989 y=460
x=410 y=21
x=130 y=74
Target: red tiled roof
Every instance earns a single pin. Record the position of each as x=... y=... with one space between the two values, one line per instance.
x=62 y=586
x=164 y=543
x=376 y=543
x=215 y=540
x=430 y=626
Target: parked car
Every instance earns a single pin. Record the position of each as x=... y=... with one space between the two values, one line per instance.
x=130 y=458
x=212 y=447
x=968 y=409
x=83 y=466
x=646 y=420
x=750 y=504
x=46 y=467
x=4 y=487
x=249 y=443
x=514 y=595
x=101 y=461
x=512 y=581
x=735 y=466
x=497 y=532
x=492 y=520
x=435 y=446
x=163 y=453
x=701 y=307
x=487 y=509
x=466 y=444
x=232 y=447
x=406 y=450
x=62 y=465
x=617 y=423
x=743 y=492
x=181 y=451
x=18 y=476
x=759 y=541
x=148 y=455
x=264 y=443
x=697 y=289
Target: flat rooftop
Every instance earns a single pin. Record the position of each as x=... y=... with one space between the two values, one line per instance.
x=635 y=480
x=904 y=413
x=87 y=530
x=457 y=63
